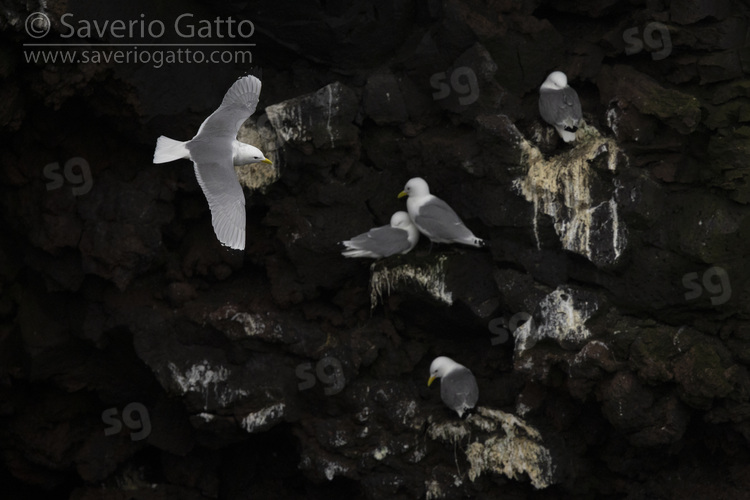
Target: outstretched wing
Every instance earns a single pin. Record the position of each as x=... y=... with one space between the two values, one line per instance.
x=238 y=104
x=215 y=172
x=211 y=152
x=226 y=201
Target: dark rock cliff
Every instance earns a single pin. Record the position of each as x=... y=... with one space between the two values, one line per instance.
x=607 y=323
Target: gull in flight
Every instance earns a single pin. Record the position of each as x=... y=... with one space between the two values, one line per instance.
x=215 y=151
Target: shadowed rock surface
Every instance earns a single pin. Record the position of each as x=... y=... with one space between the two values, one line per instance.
x=607 y=324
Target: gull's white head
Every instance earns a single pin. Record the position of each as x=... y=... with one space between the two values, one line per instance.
x=555 y=81
x=440 y=367
x=416 y=187
x=401 y=220
x=245 y=153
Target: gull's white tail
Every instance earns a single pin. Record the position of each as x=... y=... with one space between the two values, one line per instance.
x=169 y=150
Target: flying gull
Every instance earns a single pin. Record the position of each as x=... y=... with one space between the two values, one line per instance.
x=215 y=151
x=398 y=237
x=559 y=105
x=434 y=218
x=458 y=387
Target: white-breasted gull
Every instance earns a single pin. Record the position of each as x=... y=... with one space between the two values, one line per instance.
x=215 y=151
x=400 y=236
x=458 y=387
x=559 y=105
x=435 y=218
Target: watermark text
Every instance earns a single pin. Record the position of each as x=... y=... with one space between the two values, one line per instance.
x=140 y=40
x=462 y=80
x=715 y=281
x=328 y=370
x=501 y=329
x=76 y=171
x=655 y=37
x=141 y=424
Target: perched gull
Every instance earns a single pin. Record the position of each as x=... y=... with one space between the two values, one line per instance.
x=458 y=387
x=398 y=237
x=434 y=218
x=559 y=105
x=214 y=151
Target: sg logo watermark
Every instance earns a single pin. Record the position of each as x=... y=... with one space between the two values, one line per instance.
x=719 y=288
x=81 y=181
x=660 y=46
x=329 y=372
x=501 y=329
x=141 y=424
x=462 y=80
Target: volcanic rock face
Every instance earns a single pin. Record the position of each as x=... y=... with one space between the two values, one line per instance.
x=607 y=323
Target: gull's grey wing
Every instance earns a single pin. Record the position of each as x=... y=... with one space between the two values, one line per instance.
x=238 y=104
x=459 y=389
x=438 y=221
x=560 y=107
x=387 y=240
x=219 y=183
x=211 y=152
x=383 y=241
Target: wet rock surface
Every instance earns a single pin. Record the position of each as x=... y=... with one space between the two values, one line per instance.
x=607 y=323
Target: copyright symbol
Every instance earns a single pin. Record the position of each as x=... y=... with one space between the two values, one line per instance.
x=37 y=24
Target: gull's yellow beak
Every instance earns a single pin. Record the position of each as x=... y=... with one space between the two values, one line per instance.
x=266 y=160
x=432 y=379
x=402 y=194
